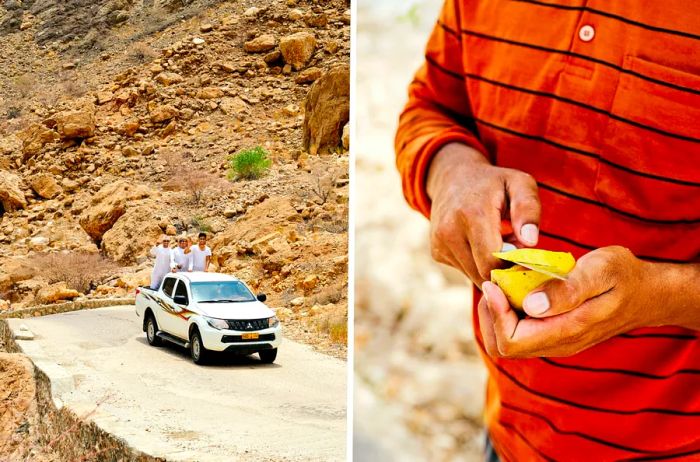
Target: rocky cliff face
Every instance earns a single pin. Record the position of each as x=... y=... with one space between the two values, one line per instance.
x=104 y=149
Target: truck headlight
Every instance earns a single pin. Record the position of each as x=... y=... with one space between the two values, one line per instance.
x=217 y=323
x=273 y=321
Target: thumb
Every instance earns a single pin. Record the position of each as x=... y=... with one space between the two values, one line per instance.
x=556 y=296
x=524 y=207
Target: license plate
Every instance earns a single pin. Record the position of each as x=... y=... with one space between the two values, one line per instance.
x=250 y=336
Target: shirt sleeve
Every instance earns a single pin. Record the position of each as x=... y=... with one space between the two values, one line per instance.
x=438 y=109
x=154 y=251
x=207 y=252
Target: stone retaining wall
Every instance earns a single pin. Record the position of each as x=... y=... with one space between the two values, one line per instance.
x=43 y=310
x=73 y=438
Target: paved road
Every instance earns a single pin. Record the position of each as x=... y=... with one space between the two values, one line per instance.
x=163 y=404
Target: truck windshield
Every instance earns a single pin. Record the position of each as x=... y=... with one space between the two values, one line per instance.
x=221 y=292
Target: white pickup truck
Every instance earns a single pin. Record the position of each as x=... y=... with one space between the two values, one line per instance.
x=209 y=312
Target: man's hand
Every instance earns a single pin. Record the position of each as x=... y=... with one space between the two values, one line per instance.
x=469 y=198
x=609 y=292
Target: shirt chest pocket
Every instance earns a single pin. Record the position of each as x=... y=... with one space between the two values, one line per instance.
x=650 y=153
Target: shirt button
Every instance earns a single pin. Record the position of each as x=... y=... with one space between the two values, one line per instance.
x=586 y=33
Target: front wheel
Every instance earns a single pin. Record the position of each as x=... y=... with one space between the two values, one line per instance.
x=268 y=356
x=197 y=351
x=151 y=330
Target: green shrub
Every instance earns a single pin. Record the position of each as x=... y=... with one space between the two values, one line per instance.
x=249 y=164
x=199 y=223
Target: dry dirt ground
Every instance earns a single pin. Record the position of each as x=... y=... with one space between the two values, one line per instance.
x=419 y=384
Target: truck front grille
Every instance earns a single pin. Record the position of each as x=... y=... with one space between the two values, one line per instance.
x=248 y=324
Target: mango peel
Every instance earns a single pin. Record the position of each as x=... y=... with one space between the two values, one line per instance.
x=516 y=282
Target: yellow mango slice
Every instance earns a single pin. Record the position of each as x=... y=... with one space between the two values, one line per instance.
x=516 y=282
x=554 y=262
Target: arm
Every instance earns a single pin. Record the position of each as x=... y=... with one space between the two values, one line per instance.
x=207 y=260
x=445 y=170
x=173 y=263
x=154 y=251
x=438 y=111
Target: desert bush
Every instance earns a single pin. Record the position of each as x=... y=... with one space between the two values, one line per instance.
x=334 y=323
x=141 y=52
x=71 y=86
x=24 y=84
x=249 y=164
x=330 y=294
x=79 y=270
x=199 y=223
x=184 y=176
x=13 y=112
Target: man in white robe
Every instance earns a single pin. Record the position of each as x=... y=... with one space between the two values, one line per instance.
x=181 y=256
x=163 y=262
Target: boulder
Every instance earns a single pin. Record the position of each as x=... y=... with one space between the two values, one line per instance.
x=210 y=93
x=133 y=280
x=108 y=205
x=168 y=78
x=309 y=75
x=297 y=49
x=265 y=42
x=132 y=236
x=11 y=195
x=34 y=138
x=4 y=305
x=45 y=186
x=55 y=293
x=327 y=110
x=76 y=124
x=233 y=106
x=163 y=113
x=346 y=137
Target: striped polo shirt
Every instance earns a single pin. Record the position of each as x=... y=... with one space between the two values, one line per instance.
x=600 y=102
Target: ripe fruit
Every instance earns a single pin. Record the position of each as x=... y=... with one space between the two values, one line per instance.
x=518 y=281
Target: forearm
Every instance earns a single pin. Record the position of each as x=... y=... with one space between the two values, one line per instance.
x=675 y=294
x=451 y=159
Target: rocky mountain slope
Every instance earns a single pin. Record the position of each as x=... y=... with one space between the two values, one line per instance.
x=118 y=121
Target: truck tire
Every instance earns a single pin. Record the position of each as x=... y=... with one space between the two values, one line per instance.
x=151 y=330
x=268 y=356
x=199 y=354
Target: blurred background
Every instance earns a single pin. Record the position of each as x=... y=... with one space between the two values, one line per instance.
x=419 y=383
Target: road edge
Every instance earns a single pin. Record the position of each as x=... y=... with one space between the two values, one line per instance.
x=71 y=435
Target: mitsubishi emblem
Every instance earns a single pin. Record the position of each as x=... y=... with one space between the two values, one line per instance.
x=249 y=326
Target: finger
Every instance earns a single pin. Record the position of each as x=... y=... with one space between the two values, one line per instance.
x=486 y=328
x=483 y=233
x=505 y=320
x=524 y=207
x=463 y=255
x=448 y=246
x=587 y=280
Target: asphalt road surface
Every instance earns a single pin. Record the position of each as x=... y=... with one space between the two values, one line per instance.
x=161 y=403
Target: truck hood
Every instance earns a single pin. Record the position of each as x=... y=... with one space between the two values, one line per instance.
x=237 y=310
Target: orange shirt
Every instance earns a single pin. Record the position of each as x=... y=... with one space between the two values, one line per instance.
x=600 y=102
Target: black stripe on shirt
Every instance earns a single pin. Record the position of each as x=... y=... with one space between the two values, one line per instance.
x=559 y=98
x=585 y=436
x=593 y=247
x=586 y=407
x=554 y=190
x=644 y=375
x=525 y=440
x=614 y=16
x=571 y=54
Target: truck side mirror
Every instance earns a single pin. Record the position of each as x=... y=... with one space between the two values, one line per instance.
x=262 y=297
x=180 y=299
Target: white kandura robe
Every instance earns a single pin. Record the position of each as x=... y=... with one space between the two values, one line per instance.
x=181 y=259
x=162 y=265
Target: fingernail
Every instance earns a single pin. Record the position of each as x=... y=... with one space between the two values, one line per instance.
x=536 y=303
x=529 y=233
x=507 y=247
x=483 y=290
